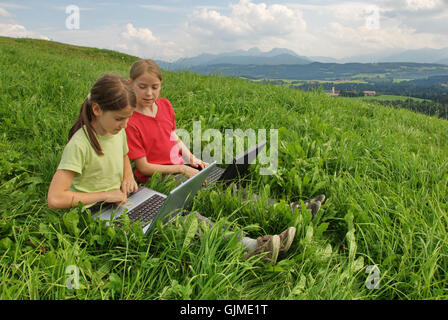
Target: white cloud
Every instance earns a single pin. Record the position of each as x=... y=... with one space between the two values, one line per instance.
x=247 y=21
x=415 y=5
x=143 y=35
x=10 y=28
x=19 y=31
x=356 y=28
x=4 y=13
x=370 y=39
x=349 y=41
x=143 y=43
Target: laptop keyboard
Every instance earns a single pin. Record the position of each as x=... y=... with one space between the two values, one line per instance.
x=215 y=174
x=145 y=211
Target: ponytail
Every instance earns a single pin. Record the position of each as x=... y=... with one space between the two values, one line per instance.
x=85 y=118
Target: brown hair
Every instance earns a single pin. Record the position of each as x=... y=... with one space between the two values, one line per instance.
x=111 y=92
x=145 y=65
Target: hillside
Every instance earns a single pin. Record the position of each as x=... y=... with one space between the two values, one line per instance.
x=384 y=172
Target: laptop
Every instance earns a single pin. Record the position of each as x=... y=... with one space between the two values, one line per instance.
x=238 y=167
x=149 y=206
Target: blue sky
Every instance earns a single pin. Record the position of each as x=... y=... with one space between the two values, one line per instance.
x=173 y=29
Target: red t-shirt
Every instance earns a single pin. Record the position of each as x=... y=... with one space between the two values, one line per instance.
x=151 y=137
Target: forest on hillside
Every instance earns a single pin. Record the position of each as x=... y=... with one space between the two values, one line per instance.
x=432 y=88
x=328 y=71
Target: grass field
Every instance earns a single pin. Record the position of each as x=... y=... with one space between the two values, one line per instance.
x=384 y=172
x=390 y=97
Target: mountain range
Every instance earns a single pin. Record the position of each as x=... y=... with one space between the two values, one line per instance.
x=252 y=56
x=281 y=56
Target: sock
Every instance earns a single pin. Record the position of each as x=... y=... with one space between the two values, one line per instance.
x=249 y=243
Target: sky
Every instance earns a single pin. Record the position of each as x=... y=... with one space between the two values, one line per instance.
x=173 y=29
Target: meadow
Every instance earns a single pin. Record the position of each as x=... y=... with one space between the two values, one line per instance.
x=390 y=97
x=383 y=170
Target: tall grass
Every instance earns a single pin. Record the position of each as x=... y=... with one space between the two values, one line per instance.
x=383 y=170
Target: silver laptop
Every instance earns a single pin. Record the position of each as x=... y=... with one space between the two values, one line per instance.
x=238 y=167
x=149 y=206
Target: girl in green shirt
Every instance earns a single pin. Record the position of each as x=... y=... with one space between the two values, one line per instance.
x=95 y=166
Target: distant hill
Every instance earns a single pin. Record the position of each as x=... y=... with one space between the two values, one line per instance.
x=443 y=61
x=252 y=56
x=261 y=60
x=327 y=71
x=425 y=55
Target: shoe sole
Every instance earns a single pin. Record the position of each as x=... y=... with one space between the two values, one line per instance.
x=275 y=249
x=291 y=232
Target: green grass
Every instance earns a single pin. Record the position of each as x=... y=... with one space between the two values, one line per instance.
x=384 y=172
x=389 y=97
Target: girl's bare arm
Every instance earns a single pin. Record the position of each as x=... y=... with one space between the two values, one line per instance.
x=128 y=185
x=60 y=196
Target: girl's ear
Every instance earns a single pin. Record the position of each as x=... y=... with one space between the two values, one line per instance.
x=96 y=109
x=129 y=81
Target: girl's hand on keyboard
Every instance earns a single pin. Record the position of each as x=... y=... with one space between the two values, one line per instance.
x=129 y=185
x=189 y=171
x=115 y=196
x=197 y=163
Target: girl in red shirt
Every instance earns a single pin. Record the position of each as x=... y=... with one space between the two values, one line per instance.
x=153 y=143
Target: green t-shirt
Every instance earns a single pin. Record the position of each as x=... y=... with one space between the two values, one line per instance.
x=95 y=173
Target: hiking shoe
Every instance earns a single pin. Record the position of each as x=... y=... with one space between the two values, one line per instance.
x=320 y=198
x=314 y=208
x=286 y=239
x=270 y=247
x=312 y=205
x=298 y=206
